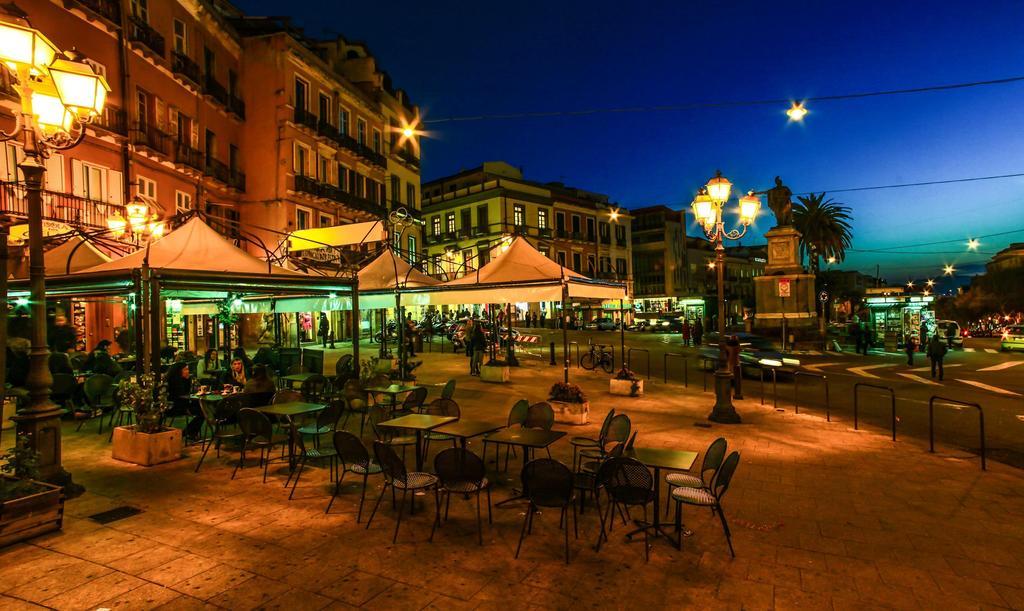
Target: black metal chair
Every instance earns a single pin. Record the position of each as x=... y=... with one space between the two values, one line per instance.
x=413 y=402
x=315 y=388
x=463 y=472
x=440 y=407
x=286 y=396
x=548 y=483
x=708 y=497
x=628 y=483
x=99 y=398
x=62 y=391
x=307 y=454
x=356 y=402
x=539 y=416
x=449 y=390
x=397 y=478
x=343 y=368
x=352 y=458
x=221 y=418
x=386 y=435
x=257 y=433
x=588 y=443
x=326 y=421
x=713 y=458
x=516 y=416
x=618 y=431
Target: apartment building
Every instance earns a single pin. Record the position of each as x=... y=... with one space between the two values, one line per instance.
x=242 y=118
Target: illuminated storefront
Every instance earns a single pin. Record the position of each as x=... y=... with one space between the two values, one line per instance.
x=893 y=315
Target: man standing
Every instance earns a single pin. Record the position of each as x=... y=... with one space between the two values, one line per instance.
x=698 y=332
x=543 y=318
x=909 y=344
x=686 y=332
x=936 y=352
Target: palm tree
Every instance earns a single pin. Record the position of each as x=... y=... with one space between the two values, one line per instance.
x=825 y=228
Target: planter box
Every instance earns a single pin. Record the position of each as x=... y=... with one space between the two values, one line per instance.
x=146 y=449
x=31 y=515
x=571 y=413
x=625 y=387
x=496 y=375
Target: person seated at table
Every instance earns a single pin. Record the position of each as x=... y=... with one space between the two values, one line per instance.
x=265 y=356
x=167 y=354
x=211 y=360
x=239 y=353
x=100 y=348
x=60 y=363
x=260 y=382
x=235 y=375
x=179 y=388
x=100 y=361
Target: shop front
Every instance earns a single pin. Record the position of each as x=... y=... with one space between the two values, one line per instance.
x=894 y=316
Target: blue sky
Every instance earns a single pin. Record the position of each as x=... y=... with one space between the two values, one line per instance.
x=458 y=59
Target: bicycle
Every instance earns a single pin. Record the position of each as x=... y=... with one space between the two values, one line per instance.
x=598 y=356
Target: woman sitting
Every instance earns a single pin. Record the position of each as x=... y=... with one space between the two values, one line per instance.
x=235 y=375
x=260 y=381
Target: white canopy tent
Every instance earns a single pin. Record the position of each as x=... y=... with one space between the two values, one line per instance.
x=380 y=278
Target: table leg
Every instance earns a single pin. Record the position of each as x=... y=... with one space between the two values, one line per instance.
x=517 y=494
x=419 y=450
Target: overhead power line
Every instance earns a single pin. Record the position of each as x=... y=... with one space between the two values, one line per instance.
x=718 y=104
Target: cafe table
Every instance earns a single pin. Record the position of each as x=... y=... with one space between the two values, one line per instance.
x=527 y=439
x=297 y=378
x=463 y=429
x=418 y=423
x=392 y=391
x=658 y=459
x=289 y=411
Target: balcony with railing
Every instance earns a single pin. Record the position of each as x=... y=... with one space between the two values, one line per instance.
x=407 y=156
x=113 y=120
x=108 y=9
x=216 y=91
x=307 y=184
x=236 y=105
x=148 y=136
x=57 y=206
x=620 y=242
x=236 y=180
x=218 y=170
x=186 y=155
x=184 y=66
x=139 y=31
x=306 y=118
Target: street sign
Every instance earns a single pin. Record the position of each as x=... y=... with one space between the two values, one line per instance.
x=784 y=288
x=823 y=296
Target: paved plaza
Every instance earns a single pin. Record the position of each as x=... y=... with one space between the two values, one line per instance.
x=822 y=517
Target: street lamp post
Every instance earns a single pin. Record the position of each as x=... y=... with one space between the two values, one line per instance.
x=59 y=96
x=707 y=208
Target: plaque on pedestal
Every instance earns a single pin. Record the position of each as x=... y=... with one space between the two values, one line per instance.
x=783 y=251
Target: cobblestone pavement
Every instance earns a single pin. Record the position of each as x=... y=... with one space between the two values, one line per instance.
x=822 y=517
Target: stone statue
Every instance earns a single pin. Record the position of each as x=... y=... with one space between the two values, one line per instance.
x=780 y=203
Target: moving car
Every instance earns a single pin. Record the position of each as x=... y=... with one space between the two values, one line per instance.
x=950 y=331
x=1012 y=338
x=755 y=350
x=605 y=324
x=666 y=324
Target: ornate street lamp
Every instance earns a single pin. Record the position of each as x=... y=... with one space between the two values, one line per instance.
x=59 y=96
x=707 y=208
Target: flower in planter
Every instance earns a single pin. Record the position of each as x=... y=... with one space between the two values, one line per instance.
x=496 y=363
x=567 y=393
x=20 y=468
x=626 y=374
x=147 y=399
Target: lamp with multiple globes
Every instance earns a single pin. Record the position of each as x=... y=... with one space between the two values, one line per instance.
x=707 y=209
x=58 y=94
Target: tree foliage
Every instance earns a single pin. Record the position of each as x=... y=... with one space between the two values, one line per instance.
x=824 y=226
x=996 y=292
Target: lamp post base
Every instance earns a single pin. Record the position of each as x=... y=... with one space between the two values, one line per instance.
x=41 y=429
x=724 y=412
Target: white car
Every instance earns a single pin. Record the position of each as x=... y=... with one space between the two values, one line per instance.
x=949 y=330
x=1012 y=338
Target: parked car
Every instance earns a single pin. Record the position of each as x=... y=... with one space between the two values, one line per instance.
x=1012 y=338
x=605 y=324
x=950 y=331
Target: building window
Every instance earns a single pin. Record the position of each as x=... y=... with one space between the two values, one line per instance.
x=410 y=195
x=590 y=265
x=343 y=121
x=142 y=108
x=93 y=182
x=482 y=224
x=575 y=224
x=450 y=222
x=180 y=37
x=559 y=221
x=182 y=201
x=301 y=94
x=620 y=267
x=576 y=261
x=146 y=187
x=396 y=190
x=602 y=229
x=560 y=257
x=325 y=108
x=232 y=83
x=435 y=225
x=518 y=215
x=324 y=169
x=326 y=221
x=344 y=181
x=211 y=146
x=360 y=131
x=620 y=233
x=301 y=160
x=412 y=249
x=590 y=229
x=140 y=10
x=302 y=218
x=209 y=62
x=467 y=220
x=233 y=158
x=376 y=141
x=542 y=219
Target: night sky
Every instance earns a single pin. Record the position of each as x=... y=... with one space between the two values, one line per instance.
x=461 y=58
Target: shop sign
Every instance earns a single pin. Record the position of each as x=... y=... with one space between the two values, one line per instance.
x=784 y=287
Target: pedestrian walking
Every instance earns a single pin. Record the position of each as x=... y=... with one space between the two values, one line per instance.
x=543 y=318
x=936 y=352
x=686 y=333
x=479 y=346
x=909 y=345
x=698 y=332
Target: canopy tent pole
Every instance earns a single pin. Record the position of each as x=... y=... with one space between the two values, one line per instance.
x=400 y=334
x=355 y=325
x=154 y=328
x=511 y=348
x=137 y=322
x=565 y=332
x=622 y=333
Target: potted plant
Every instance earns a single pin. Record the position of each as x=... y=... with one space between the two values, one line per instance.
x=28 y=507
x=626 y=383
x=147 y=442
x=496 y=371
x=569 y=403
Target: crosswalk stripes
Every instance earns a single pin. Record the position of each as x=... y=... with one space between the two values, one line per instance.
x=918 y=379
x=863 y=371
x=968 y=349
x=929 y=367
x=1002 y=366
x=816 y=367
x=994 y=389
x=991 y=351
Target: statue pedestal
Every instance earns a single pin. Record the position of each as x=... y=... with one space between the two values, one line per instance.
x=783 y=251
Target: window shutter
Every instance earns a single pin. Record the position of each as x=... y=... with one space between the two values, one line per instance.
x=77 y=178
x=55 y=173
x=161 y=111
x=5 y=165
x=195 y=135
x=115 y=189
x=172 y=122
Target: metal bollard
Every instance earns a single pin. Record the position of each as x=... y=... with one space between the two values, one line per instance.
x=552 y=353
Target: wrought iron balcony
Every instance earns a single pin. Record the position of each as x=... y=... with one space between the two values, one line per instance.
x=310 y=185
x=218 y=170
x=620 y=242
x=216 y=91
x=141 y=32
x=183 y=66
x=57 y=206
x=407 y=156
x=147 y=135
x=306 y=184
x=304 y=117
x=236 y=105
x=186 y=155
x=325 y=129
x=237 y=180
x=113 y=120
x=108 y=9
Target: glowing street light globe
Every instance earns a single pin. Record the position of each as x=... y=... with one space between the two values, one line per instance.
x=796 y=112
x=22 y=46
x=948 y=270
x=49 y=111
x=704 y=209
x=81 y=89
x=750 y=204
x=719 y=188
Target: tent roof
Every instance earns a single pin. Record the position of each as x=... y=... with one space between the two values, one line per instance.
x=197 y=247
x=73 y=255
x=520 y=263
x=388 y=271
